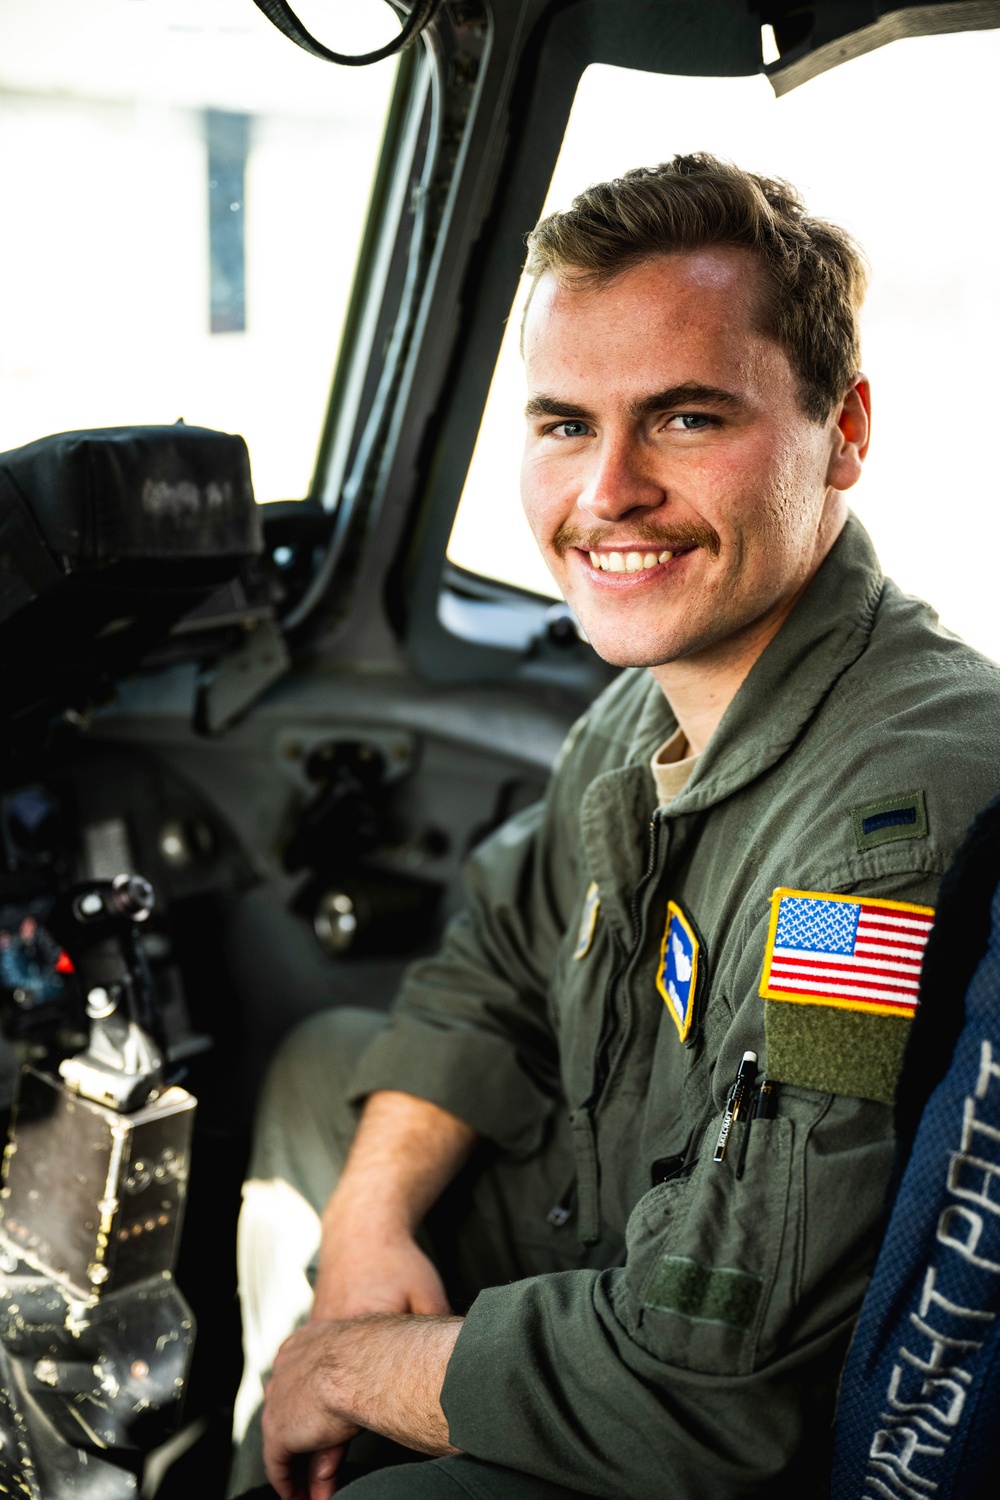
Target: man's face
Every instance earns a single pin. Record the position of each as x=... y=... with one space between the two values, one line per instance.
x=679 y=494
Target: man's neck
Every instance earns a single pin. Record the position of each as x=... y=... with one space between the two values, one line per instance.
x=699 y=692
x=700 y=689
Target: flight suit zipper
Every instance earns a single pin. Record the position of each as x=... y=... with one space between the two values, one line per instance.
x=608 y=1056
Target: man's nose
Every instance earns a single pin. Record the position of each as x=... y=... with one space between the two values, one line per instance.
x=621 y=480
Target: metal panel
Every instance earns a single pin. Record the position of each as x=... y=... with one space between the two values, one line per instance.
x=92 y=1197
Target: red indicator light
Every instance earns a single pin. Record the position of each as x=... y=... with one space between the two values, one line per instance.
x=64 y=964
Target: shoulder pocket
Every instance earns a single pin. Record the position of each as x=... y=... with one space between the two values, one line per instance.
x=704 y=1255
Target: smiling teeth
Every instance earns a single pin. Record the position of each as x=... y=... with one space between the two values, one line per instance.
x=629 y=562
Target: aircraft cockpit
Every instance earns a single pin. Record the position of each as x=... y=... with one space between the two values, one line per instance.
x=277 y=650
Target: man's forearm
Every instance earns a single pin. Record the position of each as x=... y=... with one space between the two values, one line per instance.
x=390 y=1371
x=358 y=1362
x=404 y=1154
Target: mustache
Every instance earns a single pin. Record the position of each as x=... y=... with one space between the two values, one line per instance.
x=658 y=538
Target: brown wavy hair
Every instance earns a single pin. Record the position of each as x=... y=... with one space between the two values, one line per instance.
x=815 y=274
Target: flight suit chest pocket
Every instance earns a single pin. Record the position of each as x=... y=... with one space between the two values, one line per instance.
x=710 y=1264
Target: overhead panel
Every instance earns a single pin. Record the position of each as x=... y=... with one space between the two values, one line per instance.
x=814 y=38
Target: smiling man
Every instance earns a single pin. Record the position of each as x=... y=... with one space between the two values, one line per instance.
x=638 y=1111
x=679 y=481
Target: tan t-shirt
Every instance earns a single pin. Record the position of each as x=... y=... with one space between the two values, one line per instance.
x=672 y=767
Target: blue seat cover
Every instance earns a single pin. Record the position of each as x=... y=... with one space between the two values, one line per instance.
x=919 y=1411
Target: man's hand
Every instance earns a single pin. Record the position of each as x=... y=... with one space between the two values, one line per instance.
x=328 y=1381
x=331 y=1379
x=304 y=1434
x=405 y=1152
x=377 y=1271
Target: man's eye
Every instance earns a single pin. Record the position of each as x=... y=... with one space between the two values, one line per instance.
x=571 y=429
x=690 y=421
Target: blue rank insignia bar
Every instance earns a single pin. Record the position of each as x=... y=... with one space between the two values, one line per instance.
x=677 y=975
x=588 y=922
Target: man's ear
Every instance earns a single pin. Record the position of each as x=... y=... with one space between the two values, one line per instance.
x=850 y=436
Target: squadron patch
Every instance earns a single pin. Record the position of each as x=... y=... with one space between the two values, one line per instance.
x=677 y=975
x=846 y=952
x=588 y=921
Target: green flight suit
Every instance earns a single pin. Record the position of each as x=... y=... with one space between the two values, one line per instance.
x=703 y=1364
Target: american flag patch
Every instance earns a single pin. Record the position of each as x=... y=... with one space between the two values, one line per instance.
x=845 y=951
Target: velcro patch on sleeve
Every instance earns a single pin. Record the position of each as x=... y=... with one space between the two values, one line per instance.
x=841 y=979
x=705 y=1294
x=891 y=819
x=835 y=1051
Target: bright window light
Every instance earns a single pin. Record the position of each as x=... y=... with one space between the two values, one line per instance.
x=899 y=147
x=184 y=194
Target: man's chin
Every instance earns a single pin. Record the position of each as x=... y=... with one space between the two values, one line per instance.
x=618 y=652
x=624 y=635
x=654 y=647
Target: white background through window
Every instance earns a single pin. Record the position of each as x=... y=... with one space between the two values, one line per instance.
x=105 y=295
x=899 y=147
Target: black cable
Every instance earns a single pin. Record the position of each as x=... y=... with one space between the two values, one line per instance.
x=280 y=14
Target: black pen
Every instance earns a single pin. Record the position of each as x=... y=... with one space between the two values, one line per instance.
x=758 y=1108
x=744 y=1080
x=765 y=1099
x=762 y=1103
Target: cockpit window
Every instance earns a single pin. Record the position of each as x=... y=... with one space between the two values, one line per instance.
x=898 y=146
x=184 y=195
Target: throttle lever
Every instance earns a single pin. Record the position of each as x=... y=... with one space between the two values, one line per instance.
x=122 y=1064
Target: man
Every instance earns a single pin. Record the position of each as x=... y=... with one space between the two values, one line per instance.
x=659 y=1274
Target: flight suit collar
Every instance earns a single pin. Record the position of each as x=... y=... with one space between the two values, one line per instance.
x=822 y=637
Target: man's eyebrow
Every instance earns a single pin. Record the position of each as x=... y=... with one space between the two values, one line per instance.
x=550 y=406
x=689 y=394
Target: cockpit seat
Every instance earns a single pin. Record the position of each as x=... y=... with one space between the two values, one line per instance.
x=108 y=537
x=919 y=1411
